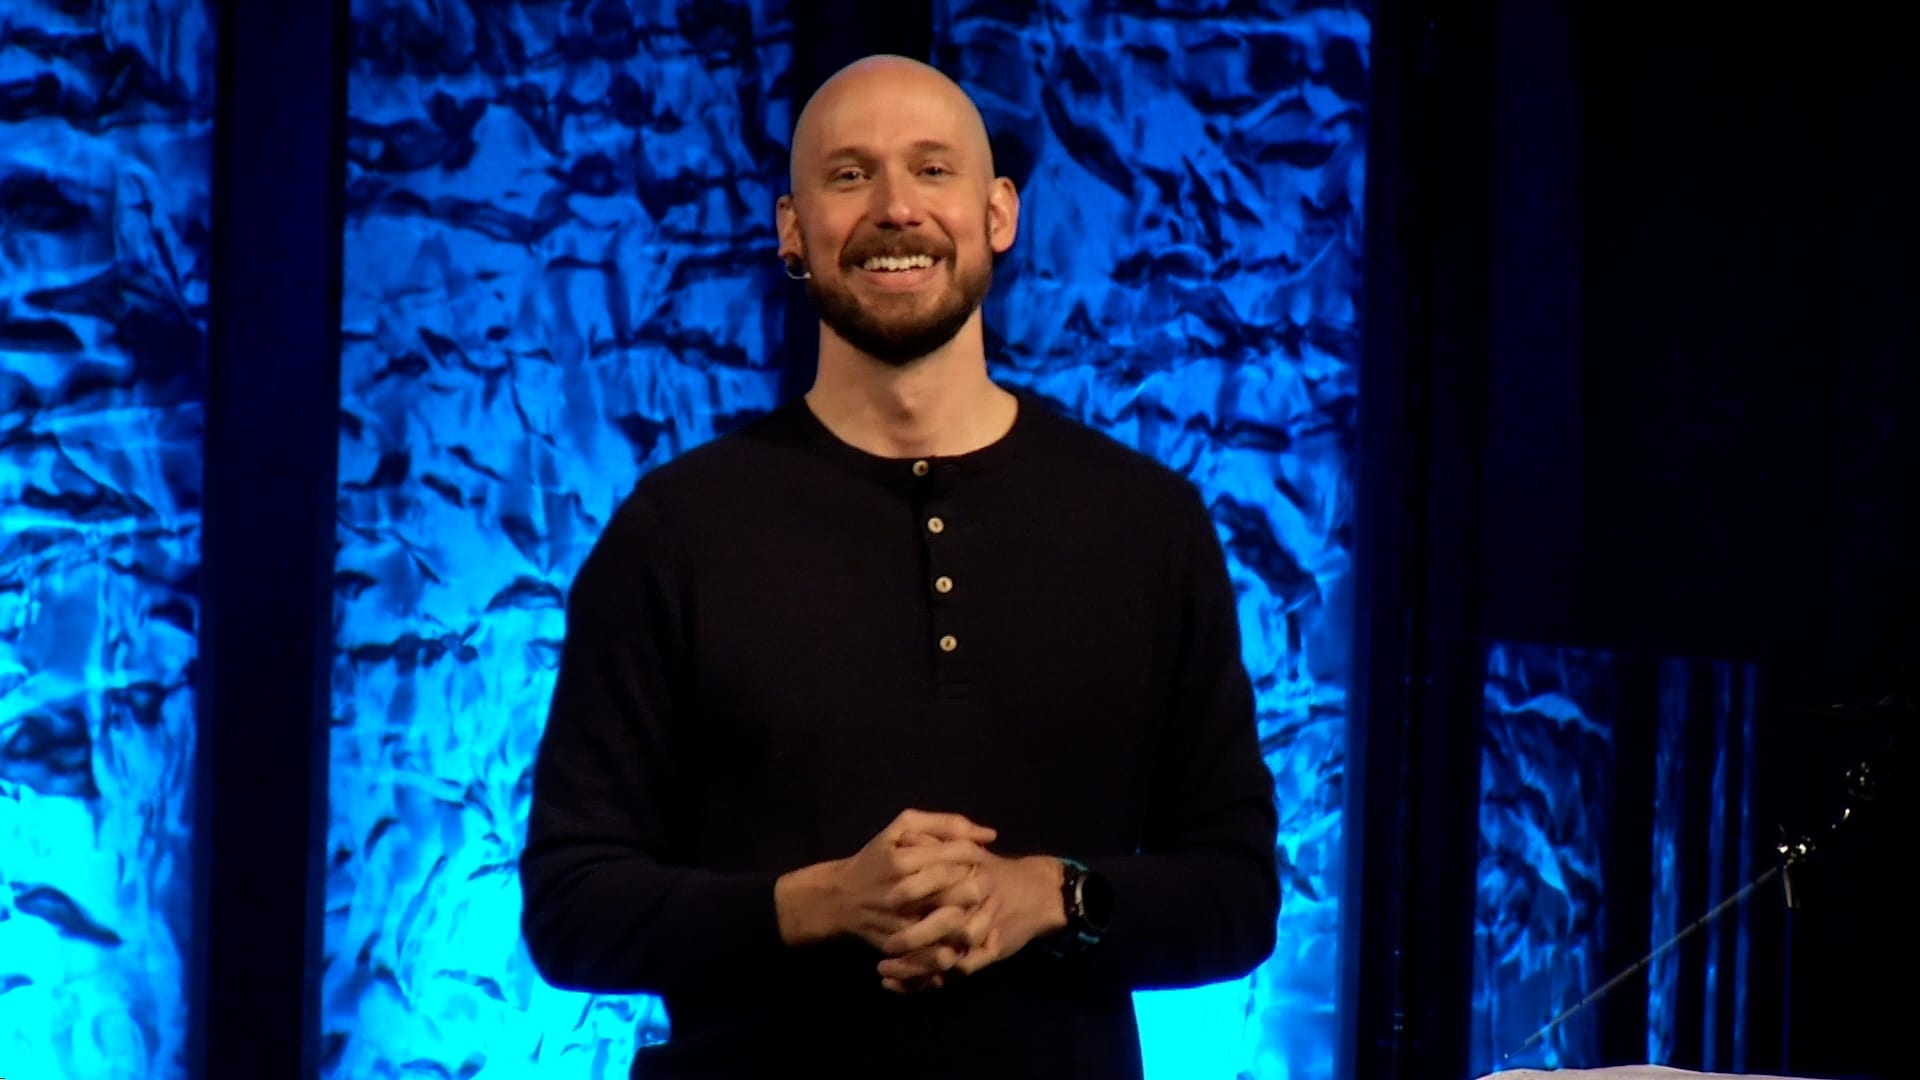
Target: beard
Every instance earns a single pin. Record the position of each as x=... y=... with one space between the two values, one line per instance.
x=898 y=338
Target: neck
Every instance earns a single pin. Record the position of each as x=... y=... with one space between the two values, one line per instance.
x=940 y=405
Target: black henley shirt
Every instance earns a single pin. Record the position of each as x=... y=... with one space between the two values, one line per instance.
x=780 y=642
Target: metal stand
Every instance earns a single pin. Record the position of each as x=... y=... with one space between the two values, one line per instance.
x=1862 y=786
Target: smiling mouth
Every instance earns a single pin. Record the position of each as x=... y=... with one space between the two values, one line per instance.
x=895 y=264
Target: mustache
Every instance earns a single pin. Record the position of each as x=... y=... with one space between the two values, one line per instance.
x=894 y=247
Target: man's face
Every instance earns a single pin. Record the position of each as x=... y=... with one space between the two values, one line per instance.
x=895 y=213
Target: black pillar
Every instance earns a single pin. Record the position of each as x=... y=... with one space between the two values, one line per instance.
x=1414 y=737
x=1626 y=910
x=271 y=443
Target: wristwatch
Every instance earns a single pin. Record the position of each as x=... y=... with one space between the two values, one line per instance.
x=1087 y=898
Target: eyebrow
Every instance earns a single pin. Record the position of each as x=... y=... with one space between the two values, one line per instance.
x=861 y=153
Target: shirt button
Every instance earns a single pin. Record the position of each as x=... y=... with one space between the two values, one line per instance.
x=936 y=526
x=943 y=584
x=949 y=643
x=921 y=468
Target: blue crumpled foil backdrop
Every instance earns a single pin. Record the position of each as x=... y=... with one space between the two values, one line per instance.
x=1186 y=278
x=105 y=185
x=1547 y=783
x=560 y=273
x=558 y=261
x=1546 y=780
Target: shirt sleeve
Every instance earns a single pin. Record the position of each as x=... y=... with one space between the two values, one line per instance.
x=605 y=907
x=1198 y=903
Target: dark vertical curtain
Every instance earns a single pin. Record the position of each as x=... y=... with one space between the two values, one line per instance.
x=270 y=451
x=1648 y=270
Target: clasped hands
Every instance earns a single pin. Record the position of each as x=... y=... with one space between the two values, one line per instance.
x=926 y=893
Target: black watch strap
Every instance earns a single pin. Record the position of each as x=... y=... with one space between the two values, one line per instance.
x=1087 y=899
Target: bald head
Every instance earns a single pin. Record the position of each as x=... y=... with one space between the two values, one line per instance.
x=879 y=96
x=895 y=213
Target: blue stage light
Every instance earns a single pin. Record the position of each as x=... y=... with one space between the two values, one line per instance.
x=1186 y=279
x=105 y=209
x=558 y=266
x=1546 y=783
x=559 y=274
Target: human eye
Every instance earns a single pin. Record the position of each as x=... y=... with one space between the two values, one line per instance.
x=845 y=174
x=935 y=170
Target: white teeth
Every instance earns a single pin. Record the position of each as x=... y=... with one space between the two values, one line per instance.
x=904 y=262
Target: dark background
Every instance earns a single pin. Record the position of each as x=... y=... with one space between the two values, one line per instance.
x=1641 y=377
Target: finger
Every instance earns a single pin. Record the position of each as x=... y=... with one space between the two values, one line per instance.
x=923 y=964
x=913 y=986
x=984 y=937
x=981 y=923
x=987 y=952
x=909 y=969
x=938 y=879
x=906 y=860
x=946 y=926
x=944 y=826
x=970 y=891
x=879 y=925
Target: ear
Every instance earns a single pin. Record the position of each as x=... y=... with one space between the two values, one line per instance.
x=1003 y=214
x=787 y=223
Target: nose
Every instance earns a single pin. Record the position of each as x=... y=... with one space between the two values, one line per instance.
x=896 y=202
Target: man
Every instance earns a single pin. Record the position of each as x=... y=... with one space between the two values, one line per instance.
x=904 y=732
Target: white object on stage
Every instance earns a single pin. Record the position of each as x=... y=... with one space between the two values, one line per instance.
x=1625 y=1073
